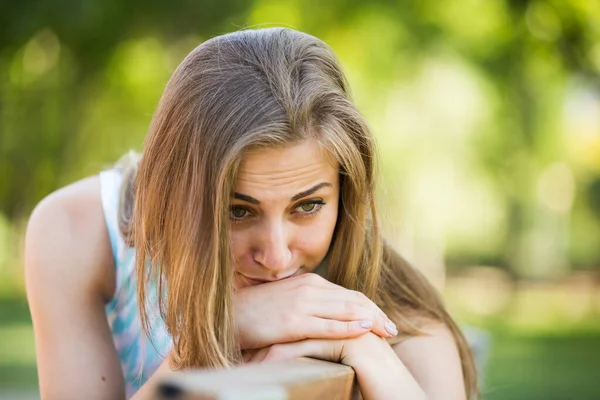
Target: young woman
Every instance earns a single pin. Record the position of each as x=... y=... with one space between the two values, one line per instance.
x=246 y=232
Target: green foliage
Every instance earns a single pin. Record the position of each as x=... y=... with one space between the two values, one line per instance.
x=543 y=367
x=467 y=95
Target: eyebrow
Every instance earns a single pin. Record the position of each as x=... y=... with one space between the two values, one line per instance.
x=295 y=197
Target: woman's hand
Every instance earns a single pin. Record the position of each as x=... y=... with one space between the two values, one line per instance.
x=349 y=352
x=333 y=350
x=379 y=371
x=303 y=307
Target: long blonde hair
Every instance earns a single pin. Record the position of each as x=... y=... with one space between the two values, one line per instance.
x=243 y=90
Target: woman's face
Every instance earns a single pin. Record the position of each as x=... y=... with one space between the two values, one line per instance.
x=284 y=210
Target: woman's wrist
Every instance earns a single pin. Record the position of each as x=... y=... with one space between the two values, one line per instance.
x=379 y=371
x=361 y=352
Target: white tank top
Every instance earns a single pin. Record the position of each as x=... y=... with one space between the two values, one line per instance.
x=139 y=356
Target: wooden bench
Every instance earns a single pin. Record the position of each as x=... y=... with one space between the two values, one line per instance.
x=300 y=379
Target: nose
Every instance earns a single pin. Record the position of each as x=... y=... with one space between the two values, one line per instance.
x=273 y=250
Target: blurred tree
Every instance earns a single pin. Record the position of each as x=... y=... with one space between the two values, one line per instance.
x=65 y=66
x=51 y=53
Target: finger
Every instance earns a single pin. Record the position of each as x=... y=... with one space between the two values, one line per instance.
x=342 y=310
x=349 y=295
x=329 y=350
x=314 y=281
x=255 y=356
x=349 y=303
x=322 y=328
x=383 y=326
x=351 y=311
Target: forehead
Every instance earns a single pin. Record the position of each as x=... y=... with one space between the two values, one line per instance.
x=297 y=163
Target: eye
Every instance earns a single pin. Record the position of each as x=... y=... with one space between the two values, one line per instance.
x=309 y=207
x=237 y=212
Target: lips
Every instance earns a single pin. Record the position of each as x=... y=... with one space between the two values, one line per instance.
x=254 y=281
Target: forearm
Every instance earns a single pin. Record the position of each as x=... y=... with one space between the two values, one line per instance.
x=148 y=389
x=382 y=375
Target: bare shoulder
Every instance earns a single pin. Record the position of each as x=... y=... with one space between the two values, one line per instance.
x=69 y=275
x=67 y=242
x=434 y=361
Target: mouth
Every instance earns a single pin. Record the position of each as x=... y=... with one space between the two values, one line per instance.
x=254 y=281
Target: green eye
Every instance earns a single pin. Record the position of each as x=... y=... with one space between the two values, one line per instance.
x=238 y=212
x=308 y=207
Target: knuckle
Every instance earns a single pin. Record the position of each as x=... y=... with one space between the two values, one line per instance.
x=335 y=328
x=331 y=326
x=349 y=327
x=361 y=296
x=365 y=301
x=294 y=328
x=291 y=323
x=374 y=316
x=352 y=309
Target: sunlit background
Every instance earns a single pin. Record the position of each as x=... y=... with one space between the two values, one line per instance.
x=487 y=113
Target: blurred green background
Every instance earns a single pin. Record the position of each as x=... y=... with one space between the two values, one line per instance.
x=487 y=113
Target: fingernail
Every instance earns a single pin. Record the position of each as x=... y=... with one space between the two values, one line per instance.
x=391 y=328
x=366 y=324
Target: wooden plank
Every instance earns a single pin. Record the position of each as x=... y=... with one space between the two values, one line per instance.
x=300 y=379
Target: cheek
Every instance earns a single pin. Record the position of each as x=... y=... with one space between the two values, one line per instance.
x=313 y=244
x=315 y=238
x=240 y=245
